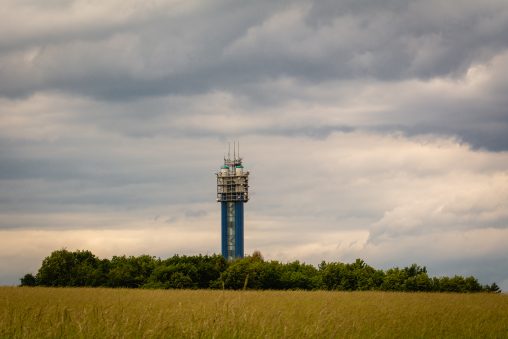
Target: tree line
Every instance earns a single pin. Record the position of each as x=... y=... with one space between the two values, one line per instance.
x=84 y=269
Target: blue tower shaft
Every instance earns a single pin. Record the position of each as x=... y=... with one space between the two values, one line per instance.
x=232 y=193
x=232 y=229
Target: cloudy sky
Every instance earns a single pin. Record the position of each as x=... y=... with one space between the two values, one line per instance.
x=372 y=129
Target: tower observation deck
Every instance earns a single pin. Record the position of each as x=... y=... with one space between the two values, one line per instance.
x=232 y=193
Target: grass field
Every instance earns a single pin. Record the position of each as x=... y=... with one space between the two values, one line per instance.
x=110 y=313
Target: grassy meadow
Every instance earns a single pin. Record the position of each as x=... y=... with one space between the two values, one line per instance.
x=134 y=313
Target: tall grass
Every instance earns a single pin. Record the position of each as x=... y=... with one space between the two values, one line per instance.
x=112 y=313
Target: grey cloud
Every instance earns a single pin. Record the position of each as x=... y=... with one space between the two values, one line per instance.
x=215 y=49
x=150 y=53
x=81 y=174
x=491 y=137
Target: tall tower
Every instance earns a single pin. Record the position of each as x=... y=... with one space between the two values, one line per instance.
x=232 y=192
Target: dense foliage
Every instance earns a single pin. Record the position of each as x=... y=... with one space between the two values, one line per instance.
x=83 y=268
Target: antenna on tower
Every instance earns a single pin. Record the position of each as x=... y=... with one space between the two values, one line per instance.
x=234 y=150
x=229 y=150
x=238 y=149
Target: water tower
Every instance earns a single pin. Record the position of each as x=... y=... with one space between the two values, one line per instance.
x=232 y=193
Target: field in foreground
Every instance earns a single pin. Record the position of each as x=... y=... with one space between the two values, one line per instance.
x=109 y=313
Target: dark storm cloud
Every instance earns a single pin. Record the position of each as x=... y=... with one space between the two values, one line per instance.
x=176 y=49
x=144 y=50
x=157 y=52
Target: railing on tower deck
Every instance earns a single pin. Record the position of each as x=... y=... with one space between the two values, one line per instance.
x=232 y=186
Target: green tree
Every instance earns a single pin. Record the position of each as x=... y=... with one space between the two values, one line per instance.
x=419 y=282
x=56 y=269
x=333 y=275
x=493 y=288
x=83 y=268
x=130 y=271
x=414 y=270
x=471 y=284
x=395 y=280
x=180 y=280
x=253 y=273
x=298 y=276
x=28 y=280
x=87 y=270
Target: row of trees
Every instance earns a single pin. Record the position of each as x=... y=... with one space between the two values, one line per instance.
x=83 y=268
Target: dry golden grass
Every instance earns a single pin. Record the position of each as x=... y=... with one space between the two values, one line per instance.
x=112 y=313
